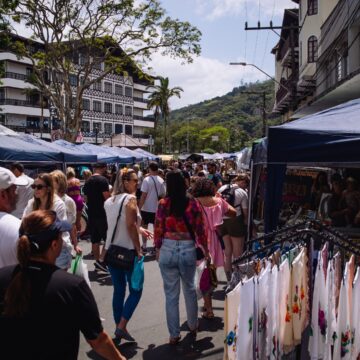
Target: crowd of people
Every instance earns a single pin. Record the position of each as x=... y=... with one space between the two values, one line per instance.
x=196 y=217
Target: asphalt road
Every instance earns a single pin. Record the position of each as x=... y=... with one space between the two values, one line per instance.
x=148 y=324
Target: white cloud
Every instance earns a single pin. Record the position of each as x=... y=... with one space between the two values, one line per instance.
x=214 y=9
x=204 y=79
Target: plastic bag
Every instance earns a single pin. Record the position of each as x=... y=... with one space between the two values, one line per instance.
x=79 y=268
x=137 y=276
x=198 y=274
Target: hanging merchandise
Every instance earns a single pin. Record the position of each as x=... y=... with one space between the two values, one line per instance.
x=269 y=310
x=245 y=325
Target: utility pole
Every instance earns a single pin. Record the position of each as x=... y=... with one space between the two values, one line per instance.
x=264 y=122
x=291 y=28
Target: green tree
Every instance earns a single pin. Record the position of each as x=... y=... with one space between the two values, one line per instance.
x=159 y=100
x=215 y=137
x=116 y=33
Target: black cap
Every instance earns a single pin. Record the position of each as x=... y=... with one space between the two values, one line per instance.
x=41 y=239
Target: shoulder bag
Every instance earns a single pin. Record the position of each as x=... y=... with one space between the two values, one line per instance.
x=118 y=256
x=157 y=194
x=199 y=253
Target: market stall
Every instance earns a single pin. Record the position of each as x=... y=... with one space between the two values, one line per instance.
x=329 y=138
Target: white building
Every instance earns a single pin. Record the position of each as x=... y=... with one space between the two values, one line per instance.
x=113 y=105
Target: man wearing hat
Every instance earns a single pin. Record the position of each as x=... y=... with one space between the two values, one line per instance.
x=9 y=224
x=96 y=190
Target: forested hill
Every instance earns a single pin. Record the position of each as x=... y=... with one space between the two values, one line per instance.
x=237 y=111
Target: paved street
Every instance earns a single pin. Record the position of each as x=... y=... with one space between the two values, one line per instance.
x=148 y=325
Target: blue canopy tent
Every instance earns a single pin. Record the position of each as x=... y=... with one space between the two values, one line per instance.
x=102 y=154
x=328 y=138
x=147 y=154
x=124 y=159
x=127 y=152
x=13 y=148
x=69 y=156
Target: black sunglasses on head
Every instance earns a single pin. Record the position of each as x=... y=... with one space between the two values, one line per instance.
x=38 y=187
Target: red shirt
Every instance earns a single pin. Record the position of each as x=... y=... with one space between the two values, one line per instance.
x=172 y=227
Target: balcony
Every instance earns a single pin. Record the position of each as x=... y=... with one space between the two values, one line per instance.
x=28 y=129
x=16 y=76
x=145 y=101
x=282 y=92
x=142 y=118
x=27 y=103
x=141 y=136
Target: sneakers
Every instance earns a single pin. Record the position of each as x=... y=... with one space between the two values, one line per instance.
x=100 y=265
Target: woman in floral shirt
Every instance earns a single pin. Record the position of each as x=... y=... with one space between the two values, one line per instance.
x=177 y=220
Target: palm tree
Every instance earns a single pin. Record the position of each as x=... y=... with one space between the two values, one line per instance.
x=159 y=101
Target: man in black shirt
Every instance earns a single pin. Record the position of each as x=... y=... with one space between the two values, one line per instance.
x=96 y=190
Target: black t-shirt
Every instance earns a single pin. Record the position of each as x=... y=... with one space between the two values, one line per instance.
x=61 y=305
x=93 y=189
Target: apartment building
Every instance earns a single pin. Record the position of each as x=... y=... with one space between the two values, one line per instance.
x=117 y=104
x=327 y=57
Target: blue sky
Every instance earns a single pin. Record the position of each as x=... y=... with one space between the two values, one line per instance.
x=224 y=39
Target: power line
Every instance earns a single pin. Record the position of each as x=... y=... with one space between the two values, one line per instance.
x=246 y=19
x=257 y=36
x=267 y=36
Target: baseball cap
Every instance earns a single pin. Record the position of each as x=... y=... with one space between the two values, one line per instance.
x=7 y=178
x=41 y=239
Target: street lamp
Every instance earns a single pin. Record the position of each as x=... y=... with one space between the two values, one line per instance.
x=256 y=67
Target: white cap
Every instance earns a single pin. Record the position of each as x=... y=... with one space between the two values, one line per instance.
x=7 y=178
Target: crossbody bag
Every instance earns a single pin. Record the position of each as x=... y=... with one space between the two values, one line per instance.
x=118 y=256
x=157 y=194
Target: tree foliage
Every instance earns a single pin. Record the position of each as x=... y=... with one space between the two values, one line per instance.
x=121 y=34
x=159 y=101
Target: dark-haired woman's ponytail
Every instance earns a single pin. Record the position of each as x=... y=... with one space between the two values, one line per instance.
x=17 y=296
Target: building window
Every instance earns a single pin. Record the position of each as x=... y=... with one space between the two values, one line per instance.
x=118 y=89
x=128 y=110
x=312 y=7
x=33 y=122
x=97 y=85
x=73 y=80
x=97 y=105
x=128 y=130
x=86 y=104
x=85 y=126
x=108 y=107
x=97 y=125
x=118 y=109
x=118 y=128
x=128 y=91
x=82 y=59
x=108 y=87
x=312 y=49
x=108 y=128
x=97 y=65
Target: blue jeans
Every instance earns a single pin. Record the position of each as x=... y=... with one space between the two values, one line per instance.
x=178 y=261
x=122 y=308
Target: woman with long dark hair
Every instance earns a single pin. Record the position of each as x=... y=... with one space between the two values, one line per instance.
x=178 y=220
x=50 y=306
x=45 y=198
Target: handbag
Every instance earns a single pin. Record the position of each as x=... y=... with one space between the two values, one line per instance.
x=118 y=256
x=199 y=253
x=137 y=276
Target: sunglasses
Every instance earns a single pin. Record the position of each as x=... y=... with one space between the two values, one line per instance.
x=38 y=187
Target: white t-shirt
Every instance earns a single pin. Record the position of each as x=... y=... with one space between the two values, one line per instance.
x=25 y=193
x=70 y=208
x=9 y=235
x=112 y=208
x=241 y=200
x=148 y=186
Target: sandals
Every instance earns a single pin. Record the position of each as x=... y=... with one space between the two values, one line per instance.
x=174 y=340
x=208 y=315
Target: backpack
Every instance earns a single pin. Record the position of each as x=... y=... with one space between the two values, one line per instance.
x=228 y=195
